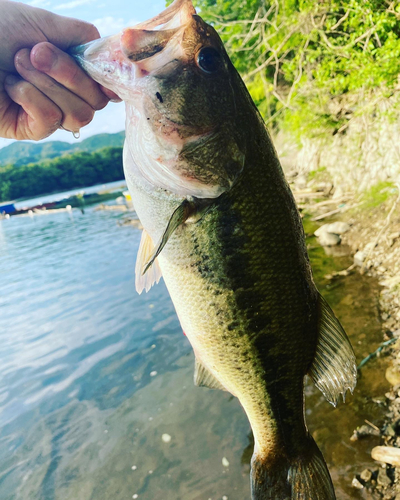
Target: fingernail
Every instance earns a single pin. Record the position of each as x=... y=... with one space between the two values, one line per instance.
x=24 y=61
x=11 y=80
x=43 y=58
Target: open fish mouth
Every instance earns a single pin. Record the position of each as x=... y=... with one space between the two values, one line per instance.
x=172 y=73
x=119 y=60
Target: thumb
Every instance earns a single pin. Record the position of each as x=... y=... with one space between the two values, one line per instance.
x=64 y=32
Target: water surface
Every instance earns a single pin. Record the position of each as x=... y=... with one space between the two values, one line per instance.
x=93 y=375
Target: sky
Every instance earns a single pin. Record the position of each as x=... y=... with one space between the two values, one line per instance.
x=109 y=17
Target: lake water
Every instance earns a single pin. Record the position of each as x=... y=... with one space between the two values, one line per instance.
x=96 y=382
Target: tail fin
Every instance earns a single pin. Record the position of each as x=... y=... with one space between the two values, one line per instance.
x=301 y=478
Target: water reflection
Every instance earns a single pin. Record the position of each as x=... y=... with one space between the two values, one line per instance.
x=93 y=375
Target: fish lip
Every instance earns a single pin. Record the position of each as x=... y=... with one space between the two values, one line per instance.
x=185 y=7
x=117 y=61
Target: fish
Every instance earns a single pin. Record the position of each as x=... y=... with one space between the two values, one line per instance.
x=222 y=228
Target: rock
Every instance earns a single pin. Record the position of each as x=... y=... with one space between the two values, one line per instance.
x=338 y=227
x=359 y=258
x=386 y=454
x=383 y=479
x=333 y=227
x=225 y=462
x=366 y=475
x=389 y=431
x=390 y=396
x=322 y=229
x=364 y=430
x=166 y=438
x=329 y=239
x=392 y=375
x=369 y=246
x=356 y=484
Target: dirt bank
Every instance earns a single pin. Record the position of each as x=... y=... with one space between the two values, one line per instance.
x=371 y=230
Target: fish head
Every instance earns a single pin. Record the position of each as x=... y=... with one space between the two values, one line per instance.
x=176 y=79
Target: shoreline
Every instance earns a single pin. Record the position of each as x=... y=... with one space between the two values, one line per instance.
x=371 y=233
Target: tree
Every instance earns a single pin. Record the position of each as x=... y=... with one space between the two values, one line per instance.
x=312 y=66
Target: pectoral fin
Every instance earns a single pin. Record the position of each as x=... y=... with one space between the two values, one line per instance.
x=146 y=249
x=334 y=368
x=204 y=378
x=186 y=210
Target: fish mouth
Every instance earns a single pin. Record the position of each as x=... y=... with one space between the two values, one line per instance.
x=117 y=61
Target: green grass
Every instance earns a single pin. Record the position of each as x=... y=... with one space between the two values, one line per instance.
x=378 y=194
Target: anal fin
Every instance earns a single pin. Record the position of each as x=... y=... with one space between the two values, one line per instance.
x=146 y=249
x=204 y=378
x=334 y=368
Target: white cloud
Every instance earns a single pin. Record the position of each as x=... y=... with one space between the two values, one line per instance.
x=110 y=25
x=72 y=5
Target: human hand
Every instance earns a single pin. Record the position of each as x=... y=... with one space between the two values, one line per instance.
x=53 y=91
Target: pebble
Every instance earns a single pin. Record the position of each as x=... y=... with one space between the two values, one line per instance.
x=334 y=227
x=392 y=375
x=364 y=430
x=366 y=475
x=389 y=431
x=166 y=438
x=390 y=396
x=224 y=497
x=134 y=467
x=356 y=484
x=135 y=495
x=383 y=479
x=386 y=454
x=153 y=374
x=359 y=258
x=329 y=239
x=225 y=462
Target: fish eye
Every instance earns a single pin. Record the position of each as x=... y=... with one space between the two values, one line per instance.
x=209 y=60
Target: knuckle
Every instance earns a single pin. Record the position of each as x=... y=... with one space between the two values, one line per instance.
x=85 y=116
x=22 y=91
x=73 y=79
x=52 y=119
x=49 y=86
x=101 y=103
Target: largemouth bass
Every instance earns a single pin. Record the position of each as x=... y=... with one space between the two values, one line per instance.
x=221 y=226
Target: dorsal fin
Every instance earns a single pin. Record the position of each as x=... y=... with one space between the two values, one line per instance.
x=204 y=378
x=146 y=249
x=334 y=368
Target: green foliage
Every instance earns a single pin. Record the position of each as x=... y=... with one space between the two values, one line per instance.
x=318 y=175
x=311 y=66
x=378 y=194
x=60 y=174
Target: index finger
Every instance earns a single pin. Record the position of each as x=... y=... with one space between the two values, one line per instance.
x=49 y=59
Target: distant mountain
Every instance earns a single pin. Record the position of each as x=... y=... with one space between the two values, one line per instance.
x=21 y=153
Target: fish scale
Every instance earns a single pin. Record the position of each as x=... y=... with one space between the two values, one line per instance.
x=222 y=228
